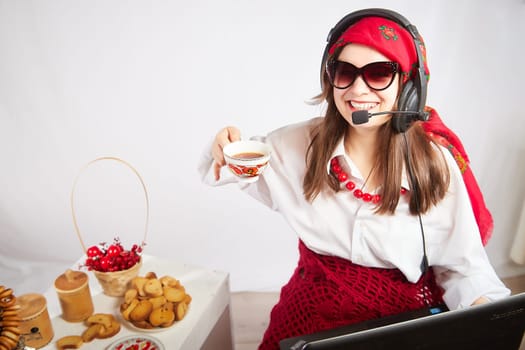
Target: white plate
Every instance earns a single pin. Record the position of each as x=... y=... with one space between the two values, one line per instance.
x=149 y=330
x=131 y=326
x=141 y=340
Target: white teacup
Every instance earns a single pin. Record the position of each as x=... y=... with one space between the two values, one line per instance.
x=247 y=159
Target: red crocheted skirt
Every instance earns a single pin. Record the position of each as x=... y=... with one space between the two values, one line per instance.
x=327 y=292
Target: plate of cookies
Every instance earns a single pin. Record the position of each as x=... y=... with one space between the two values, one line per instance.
x=137 y=342
x=154 y=304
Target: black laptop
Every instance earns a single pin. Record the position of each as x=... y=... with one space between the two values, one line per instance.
x=497 y=325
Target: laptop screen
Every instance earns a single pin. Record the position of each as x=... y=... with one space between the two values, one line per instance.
x=496 y=325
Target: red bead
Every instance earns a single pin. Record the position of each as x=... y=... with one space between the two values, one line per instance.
x=350 y=185
x=337 y=170
x=342 y=177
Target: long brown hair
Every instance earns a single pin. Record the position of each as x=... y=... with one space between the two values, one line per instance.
x=428 y=175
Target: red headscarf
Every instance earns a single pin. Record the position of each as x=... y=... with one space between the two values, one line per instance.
x=436 y=129
x=397 y=44
x=387 y=37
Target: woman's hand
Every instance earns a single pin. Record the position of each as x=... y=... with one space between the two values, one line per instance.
x=480 y=300
x=225 y=136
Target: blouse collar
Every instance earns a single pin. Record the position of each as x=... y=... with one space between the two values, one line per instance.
x=340 y=152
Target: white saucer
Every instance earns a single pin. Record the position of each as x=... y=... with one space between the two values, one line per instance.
x=142 y=340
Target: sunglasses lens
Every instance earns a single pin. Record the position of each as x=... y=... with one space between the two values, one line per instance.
x=342 y=74
x=379 y=75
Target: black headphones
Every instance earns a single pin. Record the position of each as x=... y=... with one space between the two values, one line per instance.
x=414 y=93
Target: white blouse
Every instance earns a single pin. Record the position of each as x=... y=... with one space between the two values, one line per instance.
x=339 y=224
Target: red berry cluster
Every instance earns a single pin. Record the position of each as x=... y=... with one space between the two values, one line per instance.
x=111 y=258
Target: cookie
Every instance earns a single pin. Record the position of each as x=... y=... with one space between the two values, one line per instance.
x=180 y=311
x=142 y=324
x=91 y=332
x=158 y=301
x=168 y=281
x=138 y=284
x=153 y=288
x=150 y=275
x=108 y=332
x=174 y=294
x=127 y=311
x=103 y=319
x=141 y=311
x=130 y=294
x=69 y=342
x=162 y=316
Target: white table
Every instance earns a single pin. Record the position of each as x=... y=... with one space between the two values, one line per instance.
x=207 y=324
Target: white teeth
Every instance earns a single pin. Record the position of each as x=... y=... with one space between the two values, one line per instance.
x=366 y=106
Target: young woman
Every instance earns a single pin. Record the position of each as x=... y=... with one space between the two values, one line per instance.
x=388 y=215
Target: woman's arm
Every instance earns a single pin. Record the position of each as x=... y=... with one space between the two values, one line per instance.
x=462 y=266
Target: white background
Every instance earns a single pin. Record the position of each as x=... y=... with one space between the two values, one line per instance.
x=151 y=82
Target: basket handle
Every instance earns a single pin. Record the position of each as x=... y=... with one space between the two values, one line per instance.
x=77 y=230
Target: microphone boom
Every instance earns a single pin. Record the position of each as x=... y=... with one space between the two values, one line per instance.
x=362 y=116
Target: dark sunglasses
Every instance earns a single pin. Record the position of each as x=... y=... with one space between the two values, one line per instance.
x=376 y=75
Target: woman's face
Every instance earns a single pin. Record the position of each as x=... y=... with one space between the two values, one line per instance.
x=359 y=96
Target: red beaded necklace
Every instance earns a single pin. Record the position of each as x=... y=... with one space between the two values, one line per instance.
x=342 y=176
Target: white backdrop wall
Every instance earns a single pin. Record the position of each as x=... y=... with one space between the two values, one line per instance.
x=151 y=82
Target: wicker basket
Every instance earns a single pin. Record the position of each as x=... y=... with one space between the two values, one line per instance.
x=113 y=283
x=116 y=283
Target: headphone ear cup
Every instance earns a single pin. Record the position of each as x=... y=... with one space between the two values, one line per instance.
x=408 y=101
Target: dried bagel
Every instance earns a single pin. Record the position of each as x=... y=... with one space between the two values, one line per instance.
x=9 y=319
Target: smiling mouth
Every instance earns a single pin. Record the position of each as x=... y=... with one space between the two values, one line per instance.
x=362 y=106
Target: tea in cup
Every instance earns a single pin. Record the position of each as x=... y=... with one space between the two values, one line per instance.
x=247 y=159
